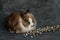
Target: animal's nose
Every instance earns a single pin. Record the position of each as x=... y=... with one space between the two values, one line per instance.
x=32 y=25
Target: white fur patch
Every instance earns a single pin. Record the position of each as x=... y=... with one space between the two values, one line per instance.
x=26 y=29
x=31 y=23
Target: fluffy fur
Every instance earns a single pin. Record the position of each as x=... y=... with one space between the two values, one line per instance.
x=20 y=23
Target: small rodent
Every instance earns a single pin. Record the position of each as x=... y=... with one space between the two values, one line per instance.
x=19 y=22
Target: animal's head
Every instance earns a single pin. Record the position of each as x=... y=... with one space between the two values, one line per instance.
x=28 y=16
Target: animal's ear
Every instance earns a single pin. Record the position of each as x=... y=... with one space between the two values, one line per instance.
x=27 y=11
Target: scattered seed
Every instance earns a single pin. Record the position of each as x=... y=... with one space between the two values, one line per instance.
x=58 y=25
x=31 y=36
x=53 y=30
x=54 y=26
x=59 y=29
x=37 y=31
x=49 y=30
x=41 y=30
x=40 y=33
x=34 y=34
x=51 y=27
x=47 y=27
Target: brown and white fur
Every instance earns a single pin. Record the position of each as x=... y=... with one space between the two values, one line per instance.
x=20 y=22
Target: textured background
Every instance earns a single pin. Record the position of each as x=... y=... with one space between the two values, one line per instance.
x=47 y=12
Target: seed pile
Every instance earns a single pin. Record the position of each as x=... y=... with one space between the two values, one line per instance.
x=38 y=31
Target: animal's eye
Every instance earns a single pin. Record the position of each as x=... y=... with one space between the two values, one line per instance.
x=32 y=21
x=28 y=22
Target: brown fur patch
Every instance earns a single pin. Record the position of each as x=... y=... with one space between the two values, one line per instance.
x=13 y=22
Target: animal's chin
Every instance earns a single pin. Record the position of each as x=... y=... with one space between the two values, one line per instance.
x=28 y=29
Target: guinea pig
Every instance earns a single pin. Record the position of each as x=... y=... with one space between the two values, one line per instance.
x=20 y=22
x=29 y=21
x=29 y=17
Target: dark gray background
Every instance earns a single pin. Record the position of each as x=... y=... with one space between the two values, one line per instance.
x=47 y=12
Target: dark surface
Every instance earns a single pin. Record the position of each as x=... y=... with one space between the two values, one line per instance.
x=47 y=12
